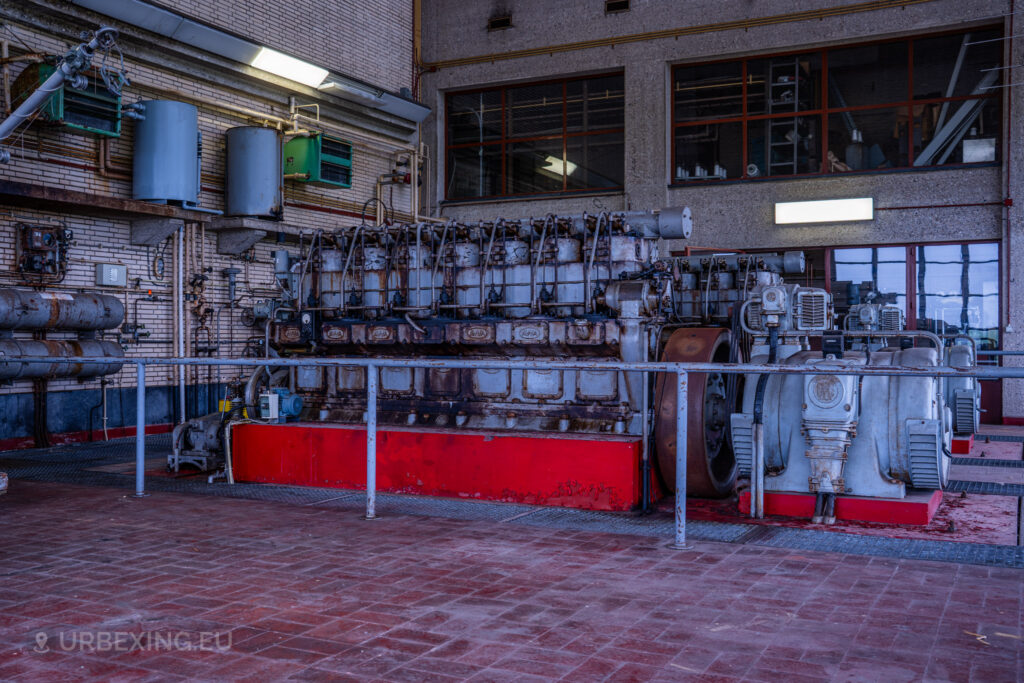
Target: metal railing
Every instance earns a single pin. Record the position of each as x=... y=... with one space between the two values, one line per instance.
x=373 y=366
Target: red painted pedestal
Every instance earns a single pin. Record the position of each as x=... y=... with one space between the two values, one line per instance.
x=595 y=473
x=962 y=446
x=918 y=507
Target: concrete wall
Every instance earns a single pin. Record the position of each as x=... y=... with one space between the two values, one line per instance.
x=163 y=69
x=735 y=214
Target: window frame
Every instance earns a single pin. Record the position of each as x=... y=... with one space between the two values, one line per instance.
x=504 y=142
x=824 y=111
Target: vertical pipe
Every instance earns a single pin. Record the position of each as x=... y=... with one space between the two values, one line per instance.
x=179 y=313
x=371 y=441
x=681 y=419
x=757 y=481
x=140 y=431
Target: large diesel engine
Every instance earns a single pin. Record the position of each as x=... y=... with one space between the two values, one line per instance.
x=586 y=286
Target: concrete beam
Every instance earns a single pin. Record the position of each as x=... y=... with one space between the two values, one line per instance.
x=150 y=232
x=237 y=234
x=57 y=200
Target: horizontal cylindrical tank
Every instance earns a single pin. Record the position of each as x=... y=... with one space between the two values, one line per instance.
x=165 y=167
x=50 y=354
x=22 y=309
x=254 y=176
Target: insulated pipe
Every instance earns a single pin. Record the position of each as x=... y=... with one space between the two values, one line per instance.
x=179 y=314
x=51 y=359
x=22 y=309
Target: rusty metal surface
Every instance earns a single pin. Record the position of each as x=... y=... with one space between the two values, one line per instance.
x=57 y=358
x=59 y=199
x=711 y=469
x=22 y=309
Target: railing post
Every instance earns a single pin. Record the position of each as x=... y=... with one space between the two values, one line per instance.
x=371 y=442
x=140 y=430
x=682 y=414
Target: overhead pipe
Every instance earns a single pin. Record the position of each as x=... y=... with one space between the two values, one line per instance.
x=69 y=70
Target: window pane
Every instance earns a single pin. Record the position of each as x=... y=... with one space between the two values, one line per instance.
x=535 y=167
x=784 y=84
x=534 y=110
x=958 y=290
x=594 y=104
x=935 y=64
x=869 y=74
x=867 y=140
x=709 y=152
x=784 y=146
x=594 y=161
x=963 y=132
x=709 y=91
x=869 y=275
x=474 y=172
x=474 y=117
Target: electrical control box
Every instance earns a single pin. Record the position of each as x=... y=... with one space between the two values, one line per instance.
x=93 y=110
x=320 y=159
x=42 y=250
x=270 y=407
x=111 y=275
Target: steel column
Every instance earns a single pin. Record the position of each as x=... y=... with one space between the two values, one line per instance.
x=140 y=431
x=682 y=413
x=371 y=442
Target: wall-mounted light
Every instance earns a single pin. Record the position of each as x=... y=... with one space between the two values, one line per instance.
x=289 y=67
x=825 y=211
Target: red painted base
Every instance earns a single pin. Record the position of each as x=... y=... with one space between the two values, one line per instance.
x=1013 y=420
x=919 y=507
x=595 y=473
x=21 y=442
x=962 y=446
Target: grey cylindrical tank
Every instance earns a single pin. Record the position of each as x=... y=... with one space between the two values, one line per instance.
x=22 y=309
x=50 y=354
x=254 y=175
x=166 y=162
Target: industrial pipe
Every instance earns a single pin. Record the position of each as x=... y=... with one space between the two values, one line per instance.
x=50 y=359
x=23 y=309
x=73 y=62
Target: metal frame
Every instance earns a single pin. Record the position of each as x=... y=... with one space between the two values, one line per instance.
x=373 y=365
x=823 y=111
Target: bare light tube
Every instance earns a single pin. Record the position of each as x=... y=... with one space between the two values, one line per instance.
x=289 y=67
x=825 y=211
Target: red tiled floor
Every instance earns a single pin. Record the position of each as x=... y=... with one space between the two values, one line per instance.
x=319 y=595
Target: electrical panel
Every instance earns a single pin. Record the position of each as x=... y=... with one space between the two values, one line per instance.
x=94 y=110
x=320 y=159
x=42 y=250
x=111 y=275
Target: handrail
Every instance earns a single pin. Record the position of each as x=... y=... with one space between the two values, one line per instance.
x=681 y=370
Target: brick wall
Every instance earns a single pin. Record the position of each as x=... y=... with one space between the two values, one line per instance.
x=53 y=157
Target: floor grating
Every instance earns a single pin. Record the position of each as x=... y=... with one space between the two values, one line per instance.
x=987 y=462
x=1012 y=438
x=75 y=464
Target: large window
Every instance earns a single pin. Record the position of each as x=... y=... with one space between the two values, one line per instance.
x=538 y=138
x=912 y=103
x=943 y=288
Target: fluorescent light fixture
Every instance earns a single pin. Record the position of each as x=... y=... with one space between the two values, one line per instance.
x=554 y=165
x=288 y=67
x=825 y=211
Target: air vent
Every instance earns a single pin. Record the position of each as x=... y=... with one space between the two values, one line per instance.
x=890 y=319
x=813 y=307
x=498 y=23
x=614 y=6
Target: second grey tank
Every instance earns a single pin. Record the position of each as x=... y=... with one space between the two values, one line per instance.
x=254 y=176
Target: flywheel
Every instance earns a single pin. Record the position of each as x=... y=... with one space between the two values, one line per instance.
x=710 y=464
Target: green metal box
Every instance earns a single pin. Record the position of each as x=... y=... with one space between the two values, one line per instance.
x=320 y=159
x=93 y=110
